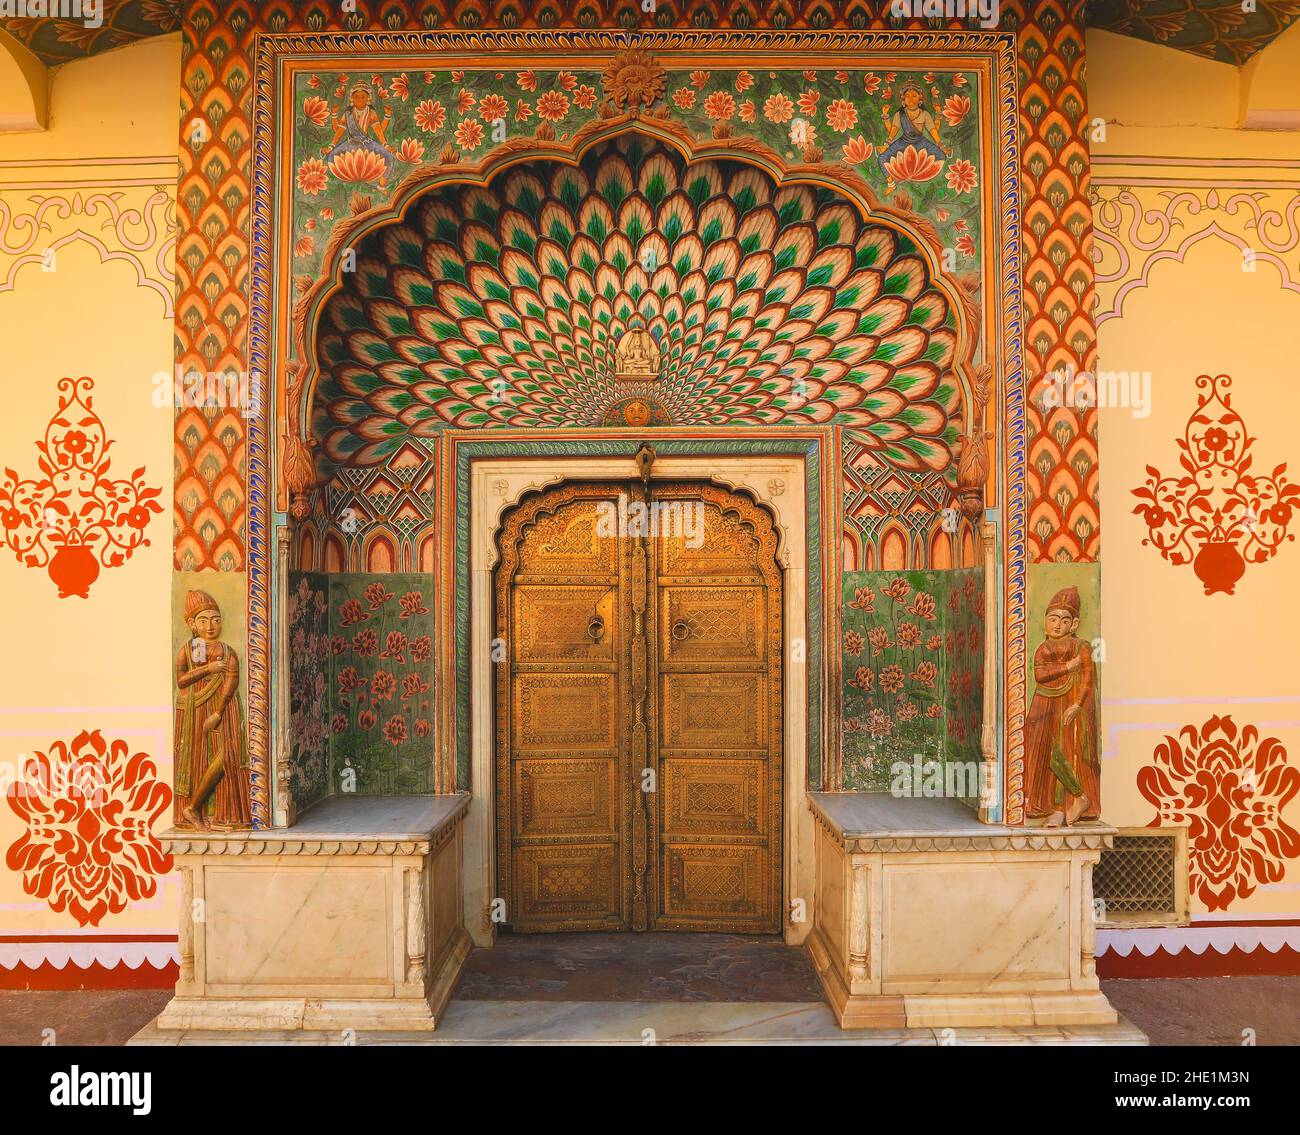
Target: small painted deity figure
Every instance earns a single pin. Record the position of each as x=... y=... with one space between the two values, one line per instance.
x=910 y=124
x=637 y=353
x=360 y=128
x=212 y=785
x=1062 y=769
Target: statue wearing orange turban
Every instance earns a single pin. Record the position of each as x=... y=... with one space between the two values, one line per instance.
x=1062 y=770
x=211 y=760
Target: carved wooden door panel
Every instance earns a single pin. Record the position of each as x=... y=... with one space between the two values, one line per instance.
x=563 y=775
x=639 y=723
x=718 y=657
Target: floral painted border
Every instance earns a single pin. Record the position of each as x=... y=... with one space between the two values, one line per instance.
x=275 y=52
x=807 y=114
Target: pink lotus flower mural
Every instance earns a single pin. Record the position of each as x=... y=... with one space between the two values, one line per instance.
x=411 y=150
x=316 y=110
x=916 y=699
x=961 y=176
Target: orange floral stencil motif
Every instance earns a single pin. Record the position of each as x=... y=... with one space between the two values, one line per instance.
x=73 y=518
x=1217 y=515
x=1229 y=786
x=89 y=810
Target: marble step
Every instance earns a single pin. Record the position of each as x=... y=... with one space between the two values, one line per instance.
x=656 y=1022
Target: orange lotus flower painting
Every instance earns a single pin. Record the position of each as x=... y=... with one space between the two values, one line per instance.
x=88 y=810
x=913 y=165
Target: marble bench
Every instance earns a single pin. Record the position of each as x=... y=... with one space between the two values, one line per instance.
x=350 y=919
x=927 y=918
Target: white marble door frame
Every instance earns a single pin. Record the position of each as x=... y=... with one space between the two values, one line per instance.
x=776 y=481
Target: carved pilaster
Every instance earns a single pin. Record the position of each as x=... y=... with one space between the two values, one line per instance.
x=296 y=464
x=989 y=732
x=1088 y=964
x=417 y=920
x=185 y=933
x=285 y=812
x=859 y=924
x=973 y=451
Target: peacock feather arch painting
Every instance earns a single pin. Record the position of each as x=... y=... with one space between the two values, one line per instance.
x=505 y=304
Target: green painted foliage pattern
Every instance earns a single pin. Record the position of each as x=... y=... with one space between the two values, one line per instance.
x=381 y=684
x=751 y=105
x=912 y=652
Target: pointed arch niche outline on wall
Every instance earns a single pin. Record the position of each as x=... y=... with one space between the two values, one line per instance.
x=283 y=487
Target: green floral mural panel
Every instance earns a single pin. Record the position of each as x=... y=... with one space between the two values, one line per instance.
x=309 y=689
x=903 y=131
x=914 y=136
x=357 y=136
x=912 y=652
x=381 y=684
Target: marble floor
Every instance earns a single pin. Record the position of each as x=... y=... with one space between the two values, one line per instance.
x=667 y=989
x=642 y=967
x=660 y=1023
x=718 y=989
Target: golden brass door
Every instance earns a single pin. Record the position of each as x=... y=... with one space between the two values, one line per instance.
x=638 y=713
x=717 y=652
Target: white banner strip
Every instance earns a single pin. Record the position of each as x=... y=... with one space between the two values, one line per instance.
x=83 y=955
x=1197 y=939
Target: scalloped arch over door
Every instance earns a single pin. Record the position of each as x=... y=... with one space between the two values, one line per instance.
x=502 y=305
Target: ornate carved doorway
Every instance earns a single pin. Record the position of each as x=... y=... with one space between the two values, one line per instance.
x=638 y=710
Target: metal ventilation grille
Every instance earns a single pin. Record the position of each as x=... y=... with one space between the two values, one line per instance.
x=1141 y=879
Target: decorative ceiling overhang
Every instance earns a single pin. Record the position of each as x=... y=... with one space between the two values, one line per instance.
x=1215 y=29
x=56 y=39
x=1226 y=30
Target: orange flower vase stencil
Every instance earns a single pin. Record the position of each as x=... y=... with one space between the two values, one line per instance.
x=73 y=519
x=1217 y=515
x=88 y=811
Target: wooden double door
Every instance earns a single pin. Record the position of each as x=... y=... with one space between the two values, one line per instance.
x=639 y=710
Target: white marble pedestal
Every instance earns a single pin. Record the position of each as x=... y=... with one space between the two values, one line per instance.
x=350 y=919
x=927 y=918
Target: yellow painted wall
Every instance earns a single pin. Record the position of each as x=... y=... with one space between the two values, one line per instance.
x=97 y=189
x=1198 y=261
